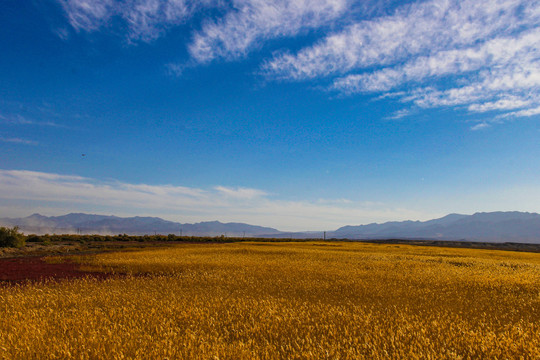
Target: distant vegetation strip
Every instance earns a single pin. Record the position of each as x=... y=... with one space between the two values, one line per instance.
x=153 y=238
x=510 y=246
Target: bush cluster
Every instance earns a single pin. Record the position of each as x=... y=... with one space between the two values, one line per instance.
x=11 y=237
x=53 y=238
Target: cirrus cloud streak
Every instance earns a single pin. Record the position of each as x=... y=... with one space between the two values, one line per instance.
x=480 y=55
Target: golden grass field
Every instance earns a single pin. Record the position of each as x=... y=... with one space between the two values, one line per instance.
x=334 y=300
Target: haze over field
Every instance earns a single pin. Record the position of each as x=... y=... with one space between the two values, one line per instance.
x=292 y=115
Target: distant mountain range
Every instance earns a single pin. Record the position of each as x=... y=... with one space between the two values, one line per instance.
x=102 y=224
x=515 y=226
x=493 y=226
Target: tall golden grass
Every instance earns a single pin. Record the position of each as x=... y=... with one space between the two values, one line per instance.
x=283 y=301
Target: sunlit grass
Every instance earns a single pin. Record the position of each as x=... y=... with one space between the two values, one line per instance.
x=283 y=301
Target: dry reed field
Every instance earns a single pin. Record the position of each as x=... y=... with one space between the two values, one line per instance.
x=333 y=300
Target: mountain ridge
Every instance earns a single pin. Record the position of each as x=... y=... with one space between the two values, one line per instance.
x=499 y=226
x=481 y=226
x=136 y=225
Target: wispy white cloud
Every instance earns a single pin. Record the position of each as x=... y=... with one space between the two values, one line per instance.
x=399 y=114
x=508 y=87
x=149 y=19
x=18 y=119
x=146 y=20
x=18 y=141
x=508 y=103
x=334 y=201
x=523 y=113
x=76 y=193
x=418 y=29
x=243 y=25
x=494 y=53
x=63 y=33
x=174 y=69
x=240 y=193
x=15 y=119
x=88 y=15
x=252 y=21
x=480 y=126
x=480 y=54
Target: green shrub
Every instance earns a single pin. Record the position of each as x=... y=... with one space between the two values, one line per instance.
x=33 y=238
x=11 y=237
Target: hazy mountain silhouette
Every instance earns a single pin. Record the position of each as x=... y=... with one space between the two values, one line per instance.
x=493 y=227
x=102 y=224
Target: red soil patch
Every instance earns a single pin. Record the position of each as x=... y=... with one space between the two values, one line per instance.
x=20 y=270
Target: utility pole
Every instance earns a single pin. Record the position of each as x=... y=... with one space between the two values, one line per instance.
x=325 y=236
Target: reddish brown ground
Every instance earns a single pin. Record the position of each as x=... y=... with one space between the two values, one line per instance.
x=20 y=270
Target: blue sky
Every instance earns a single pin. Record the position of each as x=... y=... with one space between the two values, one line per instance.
x=301 y=115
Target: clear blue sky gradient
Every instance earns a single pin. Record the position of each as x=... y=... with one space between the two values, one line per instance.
x=260 y=124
